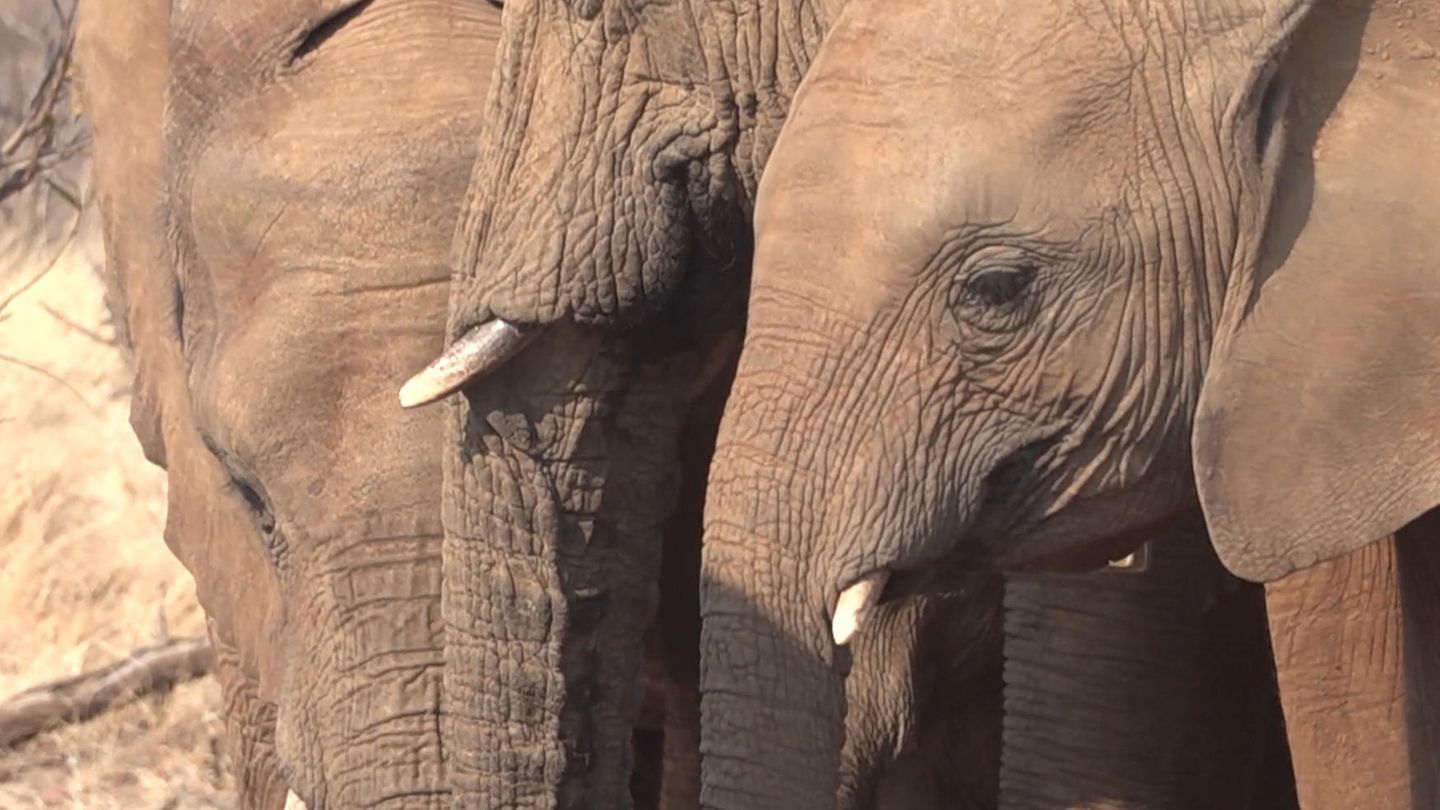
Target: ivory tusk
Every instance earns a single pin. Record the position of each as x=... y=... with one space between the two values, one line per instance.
x=1136 y=562
x=478 y=352
x=854 y=602
x=293 y=802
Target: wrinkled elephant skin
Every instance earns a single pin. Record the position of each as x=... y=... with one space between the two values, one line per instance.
x=280 y=256
x=1012 y=264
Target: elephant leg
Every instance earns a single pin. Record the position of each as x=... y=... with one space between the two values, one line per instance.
x=1337 y=636
x=678 y=621
x=680 y=786
x=1418 y=546
x=1138 y=690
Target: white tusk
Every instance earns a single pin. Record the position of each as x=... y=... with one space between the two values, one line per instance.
x=478 y=352
x=854 y=602
x=1136 y=562
x=293 y=802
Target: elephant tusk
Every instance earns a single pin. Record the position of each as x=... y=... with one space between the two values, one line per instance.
x=478 y=352
x=854 y=602
x=293 y=802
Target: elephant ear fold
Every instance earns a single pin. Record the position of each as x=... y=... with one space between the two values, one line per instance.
x=1318 y=426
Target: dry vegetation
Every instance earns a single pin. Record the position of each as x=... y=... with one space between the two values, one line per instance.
x=84 y=575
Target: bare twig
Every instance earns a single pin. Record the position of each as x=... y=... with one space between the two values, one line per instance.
x=156 y=668
x=72 y=325
x=24 y=288
x=9 y=299
x=31 y=150
x=47 y=374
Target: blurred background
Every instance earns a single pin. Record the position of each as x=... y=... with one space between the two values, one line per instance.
x=87 y=585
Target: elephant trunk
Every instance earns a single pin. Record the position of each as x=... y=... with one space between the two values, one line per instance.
x=773 y=699
x=554 y=508
x=1130 y=690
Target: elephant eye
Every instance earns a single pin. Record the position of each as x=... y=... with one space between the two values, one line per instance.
x=996 y=287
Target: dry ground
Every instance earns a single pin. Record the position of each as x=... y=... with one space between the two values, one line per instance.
x=84 y=574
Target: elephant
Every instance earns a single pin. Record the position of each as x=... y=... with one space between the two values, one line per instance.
x=599 y=289
x=278 y=235
x=1033 y=283
x=600 y=280
x=278 y=256
x=359 y=651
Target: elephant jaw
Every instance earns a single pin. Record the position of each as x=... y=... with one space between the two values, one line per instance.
x=480 y=351
x=854 y=602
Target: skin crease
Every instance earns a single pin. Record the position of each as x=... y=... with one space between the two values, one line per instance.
x=984 y=311
x=1158 y=687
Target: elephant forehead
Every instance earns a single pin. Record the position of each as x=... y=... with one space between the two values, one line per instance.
x=1005 y=51
x=844 y=192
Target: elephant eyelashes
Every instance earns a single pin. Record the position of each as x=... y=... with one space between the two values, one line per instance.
x=239 y=484
x=264 y=519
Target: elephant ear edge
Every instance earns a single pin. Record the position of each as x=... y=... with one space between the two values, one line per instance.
x=1318 y=425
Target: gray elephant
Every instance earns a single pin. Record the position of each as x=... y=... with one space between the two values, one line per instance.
x=363 y=658
x=606 y=236
x=1031 y=277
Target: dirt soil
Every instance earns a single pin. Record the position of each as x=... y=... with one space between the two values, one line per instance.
x=84 y=574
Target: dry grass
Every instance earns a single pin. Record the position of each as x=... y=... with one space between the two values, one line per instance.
x=84 y=574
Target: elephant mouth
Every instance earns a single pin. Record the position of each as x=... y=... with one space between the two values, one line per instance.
x=1081 y=552
x=977 y=552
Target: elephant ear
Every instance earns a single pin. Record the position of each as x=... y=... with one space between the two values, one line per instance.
x=1318 y=427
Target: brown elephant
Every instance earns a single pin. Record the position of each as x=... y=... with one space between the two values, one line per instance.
x=1030 y=278
x=278 y=250
x=278 y=230
x=600 y=272
x=278 y=254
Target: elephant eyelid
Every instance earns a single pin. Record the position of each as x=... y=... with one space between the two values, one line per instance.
x=320 y=33
x=997 y=285
x=241 y=484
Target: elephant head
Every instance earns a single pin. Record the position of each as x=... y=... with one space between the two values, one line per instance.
x=600 y=264
x=1013 y=262
x=280 y=182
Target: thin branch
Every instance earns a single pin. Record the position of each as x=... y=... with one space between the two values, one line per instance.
x=72 y=325
x=65 y=243
x=37 y=132
x=64 y=192
x=152 y=669
x=47 y=374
